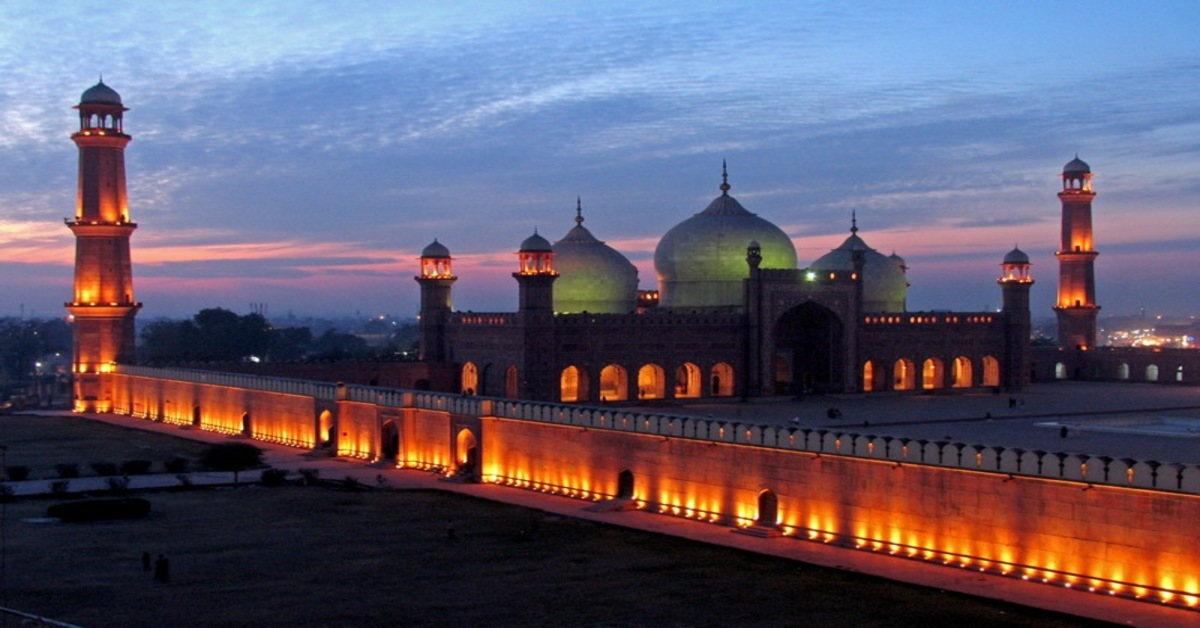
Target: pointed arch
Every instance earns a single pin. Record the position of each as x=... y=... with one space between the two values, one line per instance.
x=614 y=383
x=389 y=442
x=687 y=381
x=809 y=347
x=721 y=380
x=511 y=382
x=933 y=374
x=466 y=454
x=991 y=371
x=625 y=484
x=1152 y=373
x=1123 y=371
x=651 y=382
x=572 y=385
x=961 y=376
x=768 y=509
x=470 y=379
x=1060 y=371
x=872 y=376
x=904 y=375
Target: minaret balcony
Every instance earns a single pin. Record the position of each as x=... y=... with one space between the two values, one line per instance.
x=100 y=228
x=79 y=309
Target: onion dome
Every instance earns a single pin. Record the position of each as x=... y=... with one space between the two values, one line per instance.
x=1077 y=165
x=701 y=262
x=536 y=244
x=1016 y=256
x=435 y=249
x=884 y=285
x=100 y=94
x=593 y=277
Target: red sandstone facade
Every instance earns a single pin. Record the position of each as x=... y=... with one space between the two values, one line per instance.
x=103 y=306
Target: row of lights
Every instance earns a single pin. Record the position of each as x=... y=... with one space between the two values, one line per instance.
x=1053 y=577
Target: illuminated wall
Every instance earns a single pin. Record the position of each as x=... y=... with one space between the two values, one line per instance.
x=1118 y=527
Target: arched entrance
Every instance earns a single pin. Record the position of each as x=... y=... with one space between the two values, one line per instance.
x=687 y=381
x=872 y=376
x=572 y=385
x=650 y=382
x=466 y=455
x=933 y=374
x=722 y=380
x=625 y=484
x=904 y=375
x=808 y=350
x=991 y=371
x=470 y=379
x=325 y=429
x=614 y=383
x=511 y=381
x=389 y=442
x=768 y=509
x=196 y=416
x=961 y=376
x=247 y=427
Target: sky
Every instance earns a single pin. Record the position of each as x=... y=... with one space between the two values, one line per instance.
x=301 y=154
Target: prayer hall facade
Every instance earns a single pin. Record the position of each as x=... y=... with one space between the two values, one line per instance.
x=735 y=315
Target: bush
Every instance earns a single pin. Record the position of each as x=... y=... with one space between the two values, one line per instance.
x=67 y=470
x=274 y=477
x=309 y=477
x=6 y=493
x=104 y=468
x=176 y=465
x=350 y=483
x=60 y=487
x=100 y=509
x=236 y=457
x=17 y=472
x=135 y=467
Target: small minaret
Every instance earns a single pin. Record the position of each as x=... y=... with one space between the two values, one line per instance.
x=103 y=307
x=536 y=274
x=1015 y=282
x=1076 y=307
x=436 y=279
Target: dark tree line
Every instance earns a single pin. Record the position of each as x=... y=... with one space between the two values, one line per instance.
x=218 y=335
x=23 y=342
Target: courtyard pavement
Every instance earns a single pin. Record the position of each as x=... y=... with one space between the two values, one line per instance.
x=961 y=417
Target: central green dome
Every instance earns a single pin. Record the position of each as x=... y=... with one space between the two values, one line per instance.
x=701 y=262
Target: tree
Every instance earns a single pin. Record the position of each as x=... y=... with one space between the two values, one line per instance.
x=236 y=457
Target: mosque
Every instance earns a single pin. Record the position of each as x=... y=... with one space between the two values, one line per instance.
x=734 y=316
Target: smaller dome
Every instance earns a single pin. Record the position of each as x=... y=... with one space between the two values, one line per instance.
x=1016 y=256
x=536 y=244
x=436 y=249
x=895 y=257
x=100 y=94
x=1077 y=165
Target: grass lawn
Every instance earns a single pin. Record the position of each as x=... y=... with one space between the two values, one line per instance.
x=313 y=556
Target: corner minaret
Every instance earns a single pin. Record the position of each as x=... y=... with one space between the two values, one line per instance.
x=103 y=307
x=436 y=280
x=1076 y=306
x=1015 y=281
x=536 y=275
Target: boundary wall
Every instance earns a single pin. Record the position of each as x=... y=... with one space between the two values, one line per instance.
x=1114 y=526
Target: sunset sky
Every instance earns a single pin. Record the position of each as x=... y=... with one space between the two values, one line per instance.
x=301 y=154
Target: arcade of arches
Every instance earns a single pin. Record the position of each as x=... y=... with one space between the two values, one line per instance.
x=687 y=380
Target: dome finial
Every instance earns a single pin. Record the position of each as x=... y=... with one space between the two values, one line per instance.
x=853 y=221
x=578 y=210
x=724 y=179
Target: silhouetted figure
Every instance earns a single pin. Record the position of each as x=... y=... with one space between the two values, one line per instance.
x=162 y=569
x=1062 y=432
x=146 y=561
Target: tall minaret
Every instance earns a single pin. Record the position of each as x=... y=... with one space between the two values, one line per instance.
x=103 y=306
x=1015 y=282
x=1076 y=307
x=436 y=279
